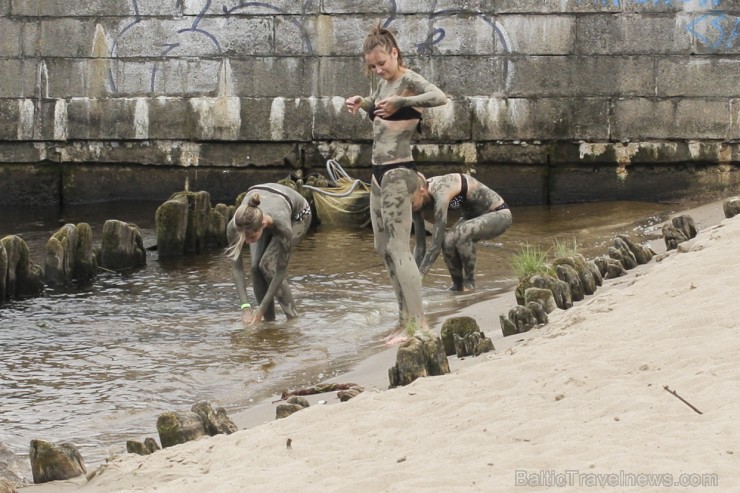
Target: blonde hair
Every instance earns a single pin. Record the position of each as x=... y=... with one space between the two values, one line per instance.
x=380 y=37
x=247 y=217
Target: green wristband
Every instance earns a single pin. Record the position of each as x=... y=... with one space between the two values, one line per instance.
x=245 y=305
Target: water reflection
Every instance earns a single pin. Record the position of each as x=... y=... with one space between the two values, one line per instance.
x=96 y=365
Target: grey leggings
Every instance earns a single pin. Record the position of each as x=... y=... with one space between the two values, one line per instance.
x=390 y=214
x=459 y=244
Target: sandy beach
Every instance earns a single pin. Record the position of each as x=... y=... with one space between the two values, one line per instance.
x=636 y=388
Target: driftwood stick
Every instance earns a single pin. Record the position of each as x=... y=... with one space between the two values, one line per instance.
x=316 y=389
x=681 y=399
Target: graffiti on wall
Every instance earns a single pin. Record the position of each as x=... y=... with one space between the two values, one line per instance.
x=714 y=29
x=180 y=41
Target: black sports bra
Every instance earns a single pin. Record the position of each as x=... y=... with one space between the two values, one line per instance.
x=458 y=200
x=405 y=113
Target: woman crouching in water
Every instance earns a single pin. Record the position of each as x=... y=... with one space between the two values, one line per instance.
x=272 y=219
x=484 y=215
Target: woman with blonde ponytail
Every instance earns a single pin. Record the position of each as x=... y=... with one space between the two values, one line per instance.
x=395 y=111
x=271 y=219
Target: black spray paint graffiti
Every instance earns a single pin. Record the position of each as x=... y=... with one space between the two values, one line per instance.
x=427 y=46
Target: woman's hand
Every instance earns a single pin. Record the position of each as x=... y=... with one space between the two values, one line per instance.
x=251 y=316
x=386 y=107
x=353 y=104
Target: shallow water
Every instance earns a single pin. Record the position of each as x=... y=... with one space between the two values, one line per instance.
x=96 y=366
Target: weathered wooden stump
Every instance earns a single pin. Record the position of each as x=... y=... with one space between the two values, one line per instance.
x=416 y=358
x=175 y=428
x=122 y=246
x=50 y=462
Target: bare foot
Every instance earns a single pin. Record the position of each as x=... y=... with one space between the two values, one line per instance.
x=398 y=336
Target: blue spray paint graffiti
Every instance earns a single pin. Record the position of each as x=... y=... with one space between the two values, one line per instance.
x=717 y=31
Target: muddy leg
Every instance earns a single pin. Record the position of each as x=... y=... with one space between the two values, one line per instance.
x=395 y=197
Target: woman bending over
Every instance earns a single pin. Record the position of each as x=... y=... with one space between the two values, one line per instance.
x=484 y=215
x=272 y=219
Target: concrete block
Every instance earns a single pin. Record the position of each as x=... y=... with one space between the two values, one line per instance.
x=342 y=76
x=234 y=36
x=735 y=115
x=658 y=6
x=414 y=33
x=77 y=77
x=470 y=75
x=108 y=183
x=110 y=118
x=20 y=78
x=29 y=184
x=169 y=118
x=78 y=35
x=355 y=7
x=516 y=183
x=70 y=8
x=129 y=77
x=716 y=77
x=141 y=152
x=566 y=76
x=273 y=8
x=28 y=40
x=10 y=33
x=458 y=34
x=23 y=152
x=540 y=118
x=186 y=77
x=355 y=157
x=450 y=122
x=4 y=7
x=44 y=119
x=558 y=6
x=639 y=118
x=290 y=77
x=303 y=35
x=632 y=34
x=332 y=121
x=321 y=35
x=155 y=37
x=159 y=8
x=715 y=32
x=276 y=119
x=9 y=117
x=251 y=154
x=538 y=34
x=515 y=154
x=463 y=153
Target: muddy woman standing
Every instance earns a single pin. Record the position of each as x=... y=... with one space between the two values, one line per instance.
x=394 y=108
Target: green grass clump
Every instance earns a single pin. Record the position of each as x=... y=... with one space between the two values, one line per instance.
x=565 y=249
x=529 y=261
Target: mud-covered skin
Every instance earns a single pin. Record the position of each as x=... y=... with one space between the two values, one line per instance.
x=391 y=217
x=478 y=222
x=270 y=254
x=392 y=138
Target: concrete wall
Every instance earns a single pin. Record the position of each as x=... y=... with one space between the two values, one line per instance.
x=550 y=100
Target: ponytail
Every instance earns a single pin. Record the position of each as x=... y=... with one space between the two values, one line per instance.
x=246 y=218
